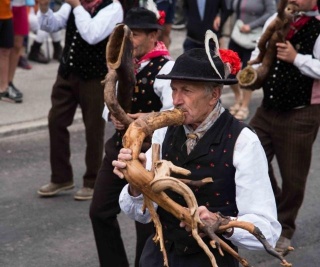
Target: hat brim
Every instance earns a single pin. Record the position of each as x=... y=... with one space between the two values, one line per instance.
x=145 y=26
x=196 y=79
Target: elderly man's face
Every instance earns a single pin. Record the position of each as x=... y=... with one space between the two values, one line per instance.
x=194 y=99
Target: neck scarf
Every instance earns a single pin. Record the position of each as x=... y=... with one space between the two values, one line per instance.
x=302 y=19
x=90 y=5
x=159 y=50
x=193 y=136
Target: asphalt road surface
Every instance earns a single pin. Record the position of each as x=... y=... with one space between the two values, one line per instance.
x=56 y=231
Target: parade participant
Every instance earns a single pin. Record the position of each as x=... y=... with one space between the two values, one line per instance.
x=81 y=70
x=288 y=120
x=151 y=57
x=210 y=143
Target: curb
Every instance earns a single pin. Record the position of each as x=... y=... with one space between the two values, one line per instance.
x=20 y=128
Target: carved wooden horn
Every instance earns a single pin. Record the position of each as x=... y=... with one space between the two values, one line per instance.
x=120 y=68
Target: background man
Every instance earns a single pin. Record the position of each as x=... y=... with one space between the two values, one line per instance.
x=150 y=94
x=288 y=120
x=82 y=68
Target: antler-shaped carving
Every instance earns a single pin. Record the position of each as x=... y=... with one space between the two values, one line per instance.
x=152 y=184
x=277 y=31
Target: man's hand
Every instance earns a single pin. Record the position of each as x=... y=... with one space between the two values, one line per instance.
x=73 y=3
x=117 y=124
x=205 y=216
x=137 y=115
x=216 y=23
x=211 y=222
x=125 y=154
x=245 y=28
x=44 y=5
x=286 y=52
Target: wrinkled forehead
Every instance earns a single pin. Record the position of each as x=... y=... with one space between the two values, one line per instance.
x=194 y=84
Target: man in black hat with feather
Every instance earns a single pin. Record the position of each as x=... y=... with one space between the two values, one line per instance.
x=210 y=143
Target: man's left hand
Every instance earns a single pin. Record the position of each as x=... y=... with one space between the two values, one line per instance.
x=286 y=52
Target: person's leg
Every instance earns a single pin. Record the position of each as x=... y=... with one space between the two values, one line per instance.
x=90 y=95
x=4 y=68
x=57 y=47
x=243 y=111
x=14 y=55
x=237 y=98
x=35 y=53
x=61 y=114
x=7 y=92
x=143 y=232
x=295 y=132
x=104 y=209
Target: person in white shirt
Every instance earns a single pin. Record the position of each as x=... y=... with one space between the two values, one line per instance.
x=151 y=58
x=82 y=67
x=287 y=122
x=210 y=143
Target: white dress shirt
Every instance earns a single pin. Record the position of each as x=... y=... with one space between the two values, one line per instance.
x=92 y=30
x=254 y=195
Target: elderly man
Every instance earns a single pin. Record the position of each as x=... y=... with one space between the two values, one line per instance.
x=210 y=143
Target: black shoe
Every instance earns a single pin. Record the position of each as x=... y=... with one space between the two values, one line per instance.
x=11 y=95
x=37 y=55
x=15 y=90
x=57 y=51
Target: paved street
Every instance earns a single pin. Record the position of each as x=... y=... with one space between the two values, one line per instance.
x=56 y=232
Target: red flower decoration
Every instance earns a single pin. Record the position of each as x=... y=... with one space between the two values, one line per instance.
x=231 y=57
x=162 y=17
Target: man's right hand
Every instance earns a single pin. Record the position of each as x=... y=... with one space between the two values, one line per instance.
x=117 y=124
x=44 y=5
x=125 y=154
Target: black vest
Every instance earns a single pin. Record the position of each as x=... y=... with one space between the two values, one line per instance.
x=80 y=58
x=144 y=99
x=286 y=87
x=211 y=157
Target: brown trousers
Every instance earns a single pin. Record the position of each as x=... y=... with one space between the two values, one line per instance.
x=289 y=137
x=67 y=95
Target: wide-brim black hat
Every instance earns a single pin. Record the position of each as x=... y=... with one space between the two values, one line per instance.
x=141 y=18
x=194 y=65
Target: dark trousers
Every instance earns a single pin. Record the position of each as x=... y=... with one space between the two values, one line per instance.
x=152 y=256
x=289 y=137
x=67 y=95
x=104 y=210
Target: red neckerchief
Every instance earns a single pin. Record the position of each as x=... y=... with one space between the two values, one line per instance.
x=90 y=6
x=298 y=24
x=159 y=50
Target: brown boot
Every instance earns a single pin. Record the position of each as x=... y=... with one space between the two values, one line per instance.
x=36 y=54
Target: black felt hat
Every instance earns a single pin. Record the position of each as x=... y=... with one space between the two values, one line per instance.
x=194 y=65
x=141 y=18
